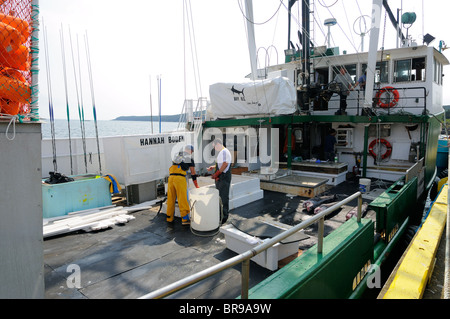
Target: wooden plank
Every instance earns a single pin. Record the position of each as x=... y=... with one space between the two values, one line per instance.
x=325 y=167
x=303 y=190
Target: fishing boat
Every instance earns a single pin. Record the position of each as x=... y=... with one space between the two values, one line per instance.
x=327 y=227
x=388 y=133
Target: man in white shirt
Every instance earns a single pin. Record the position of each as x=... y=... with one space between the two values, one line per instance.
x=222 y=175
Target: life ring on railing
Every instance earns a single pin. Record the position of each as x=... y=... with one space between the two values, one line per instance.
x=389 y=90
x=385 y=143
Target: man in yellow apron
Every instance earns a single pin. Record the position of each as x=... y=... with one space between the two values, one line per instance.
x=177 y=186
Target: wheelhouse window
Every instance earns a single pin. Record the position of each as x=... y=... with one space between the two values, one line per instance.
x=321 y=75
x=437 y=67
x=409 y=70
x=381 y=71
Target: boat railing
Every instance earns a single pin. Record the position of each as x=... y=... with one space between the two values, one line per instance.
x=395 y=99
x=245 y=257
x=190 y=117
x=389 y=100
x=185 y=111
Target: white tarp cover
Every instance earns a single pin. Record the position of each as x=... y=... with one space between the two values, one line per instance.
x=275 y=96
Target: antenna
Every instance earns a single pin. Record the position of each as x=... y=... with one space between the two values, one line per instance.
x=363 y=28
x=329 y=23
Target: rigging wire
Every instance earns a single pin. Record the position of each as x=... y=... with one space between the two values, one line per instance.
x=327 y=6
x=337 y=58
x=359 y=8
x=67 y=96
x=78 y=100
x=259 y=23
x=266 y=61
x=83 y=132
x=193 y=45
x=50 y=98
x=348 y=24
x=91 y=81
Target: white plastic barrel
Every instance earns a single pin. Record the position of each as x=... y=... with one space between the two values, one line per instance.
x=364 y=185
x=205 y=208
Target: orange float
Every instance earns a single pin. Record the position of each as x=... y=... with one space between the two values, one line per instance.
x=12 y=88
x=14 y=56
x=12 y=73
x=19 y=59
x=10 y=38
x=20 y=25
x=9 y=107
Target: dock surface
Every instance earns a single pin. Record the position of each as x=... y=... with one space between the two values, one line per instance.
x=419 y=273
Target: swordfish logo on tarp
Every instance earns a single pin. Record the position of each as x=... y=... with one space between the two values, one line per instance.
x=276 y=96
x=240 y=94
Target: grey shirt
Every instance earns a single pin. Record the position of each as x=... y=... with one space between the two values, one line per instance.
x=344 y=80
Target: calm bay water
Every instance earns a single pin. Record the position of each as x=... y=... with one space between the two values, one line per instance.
x=105 y=128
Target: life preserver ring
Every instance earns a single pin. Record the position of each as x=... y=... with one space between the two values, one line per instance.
x=385 y=143
x=388 y=89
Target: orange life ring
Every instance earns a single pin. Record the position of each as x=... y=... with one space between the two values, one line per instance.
x=385 y=143
x=388 y=89
x=18 y=59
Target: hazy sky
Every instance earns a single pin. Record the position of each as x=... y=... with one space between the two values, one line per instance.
x=134 y=41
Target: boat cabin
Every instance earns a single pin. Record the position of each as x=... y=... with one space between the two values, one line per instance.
x=407 y=80
x=382 y=138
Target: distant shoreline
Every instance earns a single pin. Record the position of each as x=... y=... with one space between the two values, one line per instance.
x=142 y=118
x=147 y=118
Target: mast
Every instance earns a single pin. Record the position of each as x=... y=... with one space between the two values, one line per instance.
x=395 y=22
x=372 y=59
x=306 y=49
x=251 y=38
x=290 y=5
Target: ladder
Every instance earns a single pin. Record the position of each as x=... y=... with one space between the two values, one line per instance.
x=190 y=118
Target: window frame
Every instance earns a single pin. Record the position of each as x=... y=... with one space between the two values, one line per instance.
x=410 y=70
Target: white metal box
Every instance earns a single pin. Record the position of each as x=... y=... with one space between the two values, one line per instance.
x=240 y=242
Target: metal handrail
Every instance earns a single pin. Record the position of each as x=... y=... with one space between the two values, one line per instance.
x=246 y=256
x=354 y=103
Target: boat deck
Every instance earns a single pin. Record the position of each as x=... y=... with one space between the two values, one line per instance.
x=146 y=253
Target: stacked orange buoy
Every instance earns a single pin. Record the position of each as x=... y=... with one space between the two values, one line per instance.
x=15 y=91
